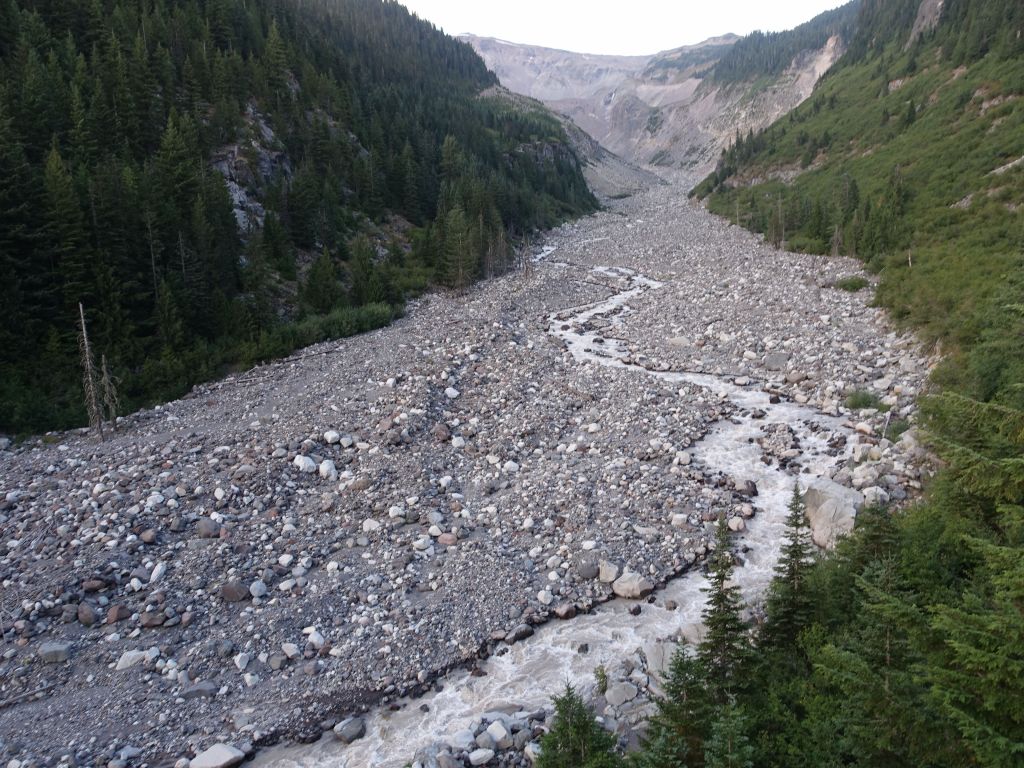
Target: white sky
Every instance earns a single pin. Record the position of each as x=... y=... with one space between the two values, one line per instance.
x=621 y=27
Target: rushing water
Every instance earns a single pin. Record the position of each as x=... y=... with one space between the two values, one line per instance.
x=529 y=672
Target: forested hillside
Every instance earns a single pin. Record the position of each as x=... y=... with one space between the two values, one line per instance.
x=219 y=182
x=768 y=54
x=904 y=647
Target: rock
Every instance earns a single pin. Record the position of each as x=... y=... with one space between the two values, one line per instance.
x=54 y=653
x=875 y=496
x=350 y=730
x=218 y=756
x=441 y=432
x=565 y=611
x=776 y=361
x=498 y=732
x=291 y=650
x=532 y=751
x=258 y=589
x=521 y=632
x=736 y=524
x=328 y=471
x=87 y=615
x=234 y=592
x=607 y=572
x=130 y=659
x=745 y=487
x=619 y=693
x=463 y=740
x=205 y=689
x=118 y=613
x=831 y=510
x=484 y=740
x=451 y=393
x=207 y=528
x=632 y=585
x=481 y=756
x=304 y=464
x=331 y=437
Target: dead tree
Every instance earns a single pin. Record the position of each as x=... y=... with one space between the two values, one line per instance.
x=92 y=400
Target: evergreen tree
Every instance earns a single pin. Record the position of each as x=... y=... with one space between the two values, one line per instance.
x=728 y=745
x=576 y=740
x=788 y=607
x=724 y=651
x=69 y=251
x=460 y=259
x=981 y=673
x=321 y=291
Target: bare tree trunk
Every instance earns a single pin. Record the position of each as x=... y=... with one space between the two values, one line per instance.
x=92 y=402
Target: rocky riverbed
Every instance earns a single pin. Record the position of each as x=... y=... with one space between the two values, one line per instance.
x=285 y=549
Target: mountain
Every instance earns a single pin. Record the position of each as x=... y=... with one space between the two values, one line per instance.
x=910 y=156
x=219 y=182
x=681 y=107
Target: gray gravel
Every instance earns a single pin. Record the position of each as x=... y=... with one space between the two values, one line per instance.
x=285 y=548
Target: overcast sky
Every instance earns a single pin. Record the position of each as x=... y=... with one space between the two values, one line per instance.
x=620 y=27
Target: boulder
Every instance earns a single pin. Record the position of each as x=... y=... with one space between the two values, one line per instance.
x=218 y=756
x=831 y=510
x=620 y=693
x=304 y=464
x=632 y=585
x=54 y=653
x=350 y=729
x=607 y=572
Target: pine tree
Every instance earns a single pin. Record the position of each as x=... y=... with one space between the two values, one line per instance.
x=662 y=748
x=789 y=607
x=576 y=740
x=980 y=676
x=724 y=651
x=69 y=248
x=321 y=291
x=460 y=260
x=728 y=745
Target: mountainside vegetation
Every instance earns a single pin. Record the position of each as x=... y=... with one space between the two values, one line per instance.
x=768 y=54
x=219 y=182
x=904 y=646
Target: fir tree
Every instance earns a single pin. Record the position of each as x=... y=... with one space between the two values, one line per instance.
x=788 y=607
x=576 y=740
x=725 y=648
x=728 y=745
x=321 y=291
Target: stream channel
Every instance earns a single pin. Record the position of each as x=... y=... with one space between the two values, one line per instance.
x=528 y=673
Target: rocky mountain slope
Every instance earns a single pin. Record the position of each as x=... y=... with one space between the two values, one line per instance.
x=675 y=108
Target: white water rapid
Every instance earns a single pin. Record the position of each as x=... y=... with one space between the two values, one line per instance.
x=530 y=671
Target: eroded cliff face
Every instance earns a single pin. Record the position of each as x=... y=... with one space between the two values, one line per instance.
x=661 y=109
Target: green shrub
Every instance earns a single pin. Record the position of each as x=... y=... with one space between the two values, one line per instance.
x=862 y=400
x=853 y=283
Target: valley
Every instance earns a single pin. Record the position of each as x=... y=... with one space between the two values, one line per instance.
x=425 y=501
x=458 y=402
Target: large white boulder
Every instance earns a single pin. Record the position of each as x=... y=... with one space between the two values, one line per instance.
x=831 y=510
